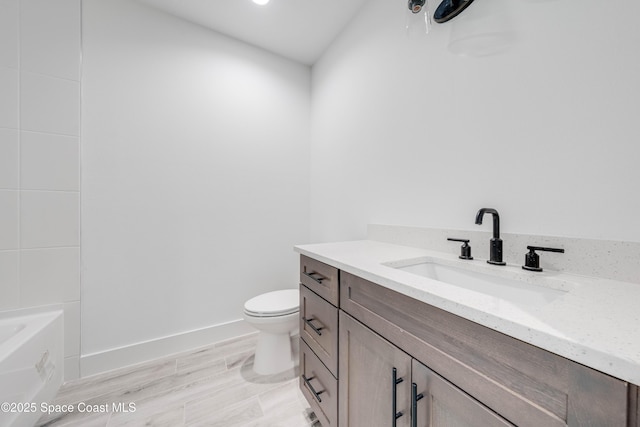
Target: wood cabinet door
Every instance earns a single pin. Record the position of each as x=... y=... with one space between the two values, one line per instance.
x=368 y=394
x=438 y=403
x=635 y=413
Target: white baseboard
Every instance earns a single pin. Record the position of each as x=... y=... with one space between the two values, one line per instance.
x=95 y=363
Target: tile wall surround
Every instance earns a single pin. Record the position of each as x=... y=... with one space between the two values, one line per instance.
x=40 y=162
x=588 y=257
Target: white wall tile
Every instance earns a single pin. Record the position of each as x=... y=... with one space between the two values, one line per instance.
x=49 y=276
x=9 y=86
x=49 y=162
x=72 y=329
x=9 y=158
x=40 y=92
x=9 y=219
x=50 y=37
x=9 y=33
x=9 y=285
x=49 y=104
x=49 y=219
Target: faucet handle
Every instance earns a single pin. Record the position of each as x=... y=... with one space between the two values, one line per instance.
x=532 y=259
x=465 y=249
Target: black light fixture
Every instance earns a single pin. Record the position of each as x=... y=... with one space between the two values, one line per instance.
x=485 y=31
x=449 y=9
x=416 y=6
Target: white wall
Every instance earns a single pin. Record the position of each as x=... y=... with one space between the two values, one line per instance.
x=196 y=151
x=404 y=132
x=195 y=175
x=39 y=163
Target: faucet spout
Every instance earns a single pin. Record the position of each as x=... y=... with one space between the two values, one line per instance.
x=495 y=245
x=496 y=220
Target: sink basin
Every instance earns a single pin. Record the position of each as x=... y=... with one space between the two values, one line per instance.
x=517 y=292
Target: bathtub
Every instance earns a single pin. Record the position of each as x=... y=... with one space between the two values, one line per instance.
x=31 y=365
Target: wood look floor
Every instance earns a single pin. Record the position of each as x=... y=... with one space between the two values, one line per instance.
x=213 y=386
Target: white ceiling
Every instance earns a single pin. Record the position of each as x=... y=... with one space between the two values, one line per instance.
x=297 y=29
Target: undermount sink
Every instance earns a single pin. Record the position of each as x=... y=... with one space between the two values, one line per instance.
x=513 y=290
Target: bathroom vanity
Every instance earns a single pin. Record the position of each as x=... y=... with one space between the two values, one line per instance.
x=385 y=347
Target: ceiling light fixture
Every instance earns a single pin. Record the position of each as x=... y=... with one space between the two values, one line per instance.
x=261 y=2
x=415 y=6
x=449 y=9
x=446 y=11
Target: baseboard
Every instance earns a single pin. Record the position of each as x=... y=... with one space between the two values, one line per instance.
x=95 y=363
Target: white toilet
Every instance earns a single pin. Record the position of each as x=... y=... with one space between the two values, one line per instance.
x=276 y=316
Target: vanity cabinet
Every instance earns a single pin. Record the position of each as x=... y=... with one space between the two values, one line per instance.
x=386 y=387
x=468 y=375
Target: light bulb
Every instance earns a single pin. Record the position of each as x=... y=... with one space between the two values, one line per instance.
x=261 y=2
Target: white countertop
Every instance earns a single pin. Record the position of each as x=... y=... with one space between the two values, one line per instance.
x=595 y=323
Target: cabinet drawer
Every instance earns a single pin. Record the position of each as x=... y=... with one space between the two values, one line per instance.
x=320 y=278
x=318 y=386
x=319 y=328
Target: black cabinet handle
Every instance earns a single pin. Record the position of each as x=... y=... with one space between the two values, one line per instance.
x=316 y=394
x=318 y=280
x=316 y=329
x=394 y=403
x=414 y=404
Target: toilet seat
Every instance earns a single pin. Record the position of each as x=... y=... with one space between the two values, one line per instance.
x=274 y=304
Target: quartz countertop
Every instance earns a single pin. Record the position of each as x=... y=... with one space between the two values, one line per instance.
x=596 y=322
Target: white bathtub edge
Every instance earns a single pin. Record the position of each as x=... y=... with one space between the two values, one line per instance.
x=95 y=363
x=31 y=365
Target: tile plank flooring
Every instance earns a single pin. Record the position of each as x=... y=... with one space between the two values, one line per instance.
x=212 y=386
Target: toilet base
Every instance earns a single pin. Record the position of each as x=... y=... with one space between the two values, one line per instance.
x=273 y=354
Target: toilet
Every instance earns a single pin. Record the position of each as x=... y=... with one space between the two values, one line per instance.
x=276 y=316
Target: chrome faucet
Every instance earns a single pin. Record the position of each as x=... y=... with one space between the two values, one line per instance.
x=495 y=245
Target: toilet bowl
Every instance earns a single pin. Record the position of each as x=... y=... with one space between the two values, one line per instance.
x=276 y=316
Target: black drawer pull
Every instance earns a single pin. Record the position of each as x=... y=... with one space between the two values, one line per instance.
x=318 y=280
x=316 y=394
x=316 y=329
x=414 y=404
x=394 y=403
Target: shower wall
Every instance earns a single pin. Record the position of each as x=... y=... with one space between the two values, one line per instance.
x=39 y=163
